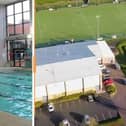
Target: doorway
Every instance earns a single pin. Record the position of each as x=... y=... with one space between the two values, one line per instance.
x=16 y=52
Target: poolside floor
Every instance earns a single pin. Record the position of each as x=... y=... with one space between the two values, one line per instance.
x=11 y=120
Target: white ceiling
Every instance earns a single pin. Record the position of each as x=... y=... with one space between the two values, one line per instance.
x=4 y=2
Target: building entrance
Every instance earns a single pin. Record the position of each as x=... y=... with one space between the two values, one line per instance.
x=18 y=54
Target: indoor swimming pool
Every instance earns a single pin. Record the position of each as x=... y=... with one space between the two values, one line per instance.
x=16 y=93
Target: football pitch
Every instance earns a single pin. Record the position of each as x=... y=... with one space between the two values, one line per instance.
x=80 y=23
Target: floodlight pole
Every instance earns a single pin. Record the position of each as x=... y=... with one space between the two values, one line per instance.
x=98 y=26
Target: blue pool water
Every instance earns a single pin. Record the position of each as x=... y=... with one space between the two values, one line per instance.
x=16 y=93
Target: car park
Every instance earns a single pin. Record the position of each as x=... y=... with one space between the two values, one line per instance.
x=51 y=107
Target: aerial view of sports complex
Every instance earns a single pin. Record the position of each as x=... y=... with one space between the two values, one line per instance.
x=81 y=63
x=15 y=63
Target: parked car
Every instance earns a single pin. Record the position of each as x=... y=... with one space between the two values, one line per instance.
x=108 y=81
x=106 y=77
x=51 y=107
x=106 y=71
x=124 y=80
x=102 y=66
x=64 y=122
x=90 y=98
x=87 y=119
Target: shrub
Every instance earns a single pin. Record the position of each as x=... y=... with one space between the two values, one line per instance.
x=111 y=89
x=38 y=104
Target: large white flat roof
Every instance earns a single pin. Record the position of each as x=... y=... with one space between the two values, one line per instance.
x=73 y=51
x=69 y=61
x=68 y=70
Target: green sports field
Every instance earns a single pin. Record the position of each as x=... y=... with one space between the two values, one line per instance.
x=80 y=23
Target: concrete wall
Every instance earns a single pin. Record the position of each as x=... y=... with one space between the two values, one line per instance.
x=41 y=93
x=3 y=56
x=74 y=86
x=55 y=90
x=91 y=82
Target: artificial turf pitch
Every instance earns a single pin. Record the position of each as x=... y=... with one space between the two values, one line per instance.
x=80 y=23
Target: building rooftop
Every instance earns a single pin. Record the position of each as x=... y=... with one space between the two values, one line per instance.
x=64 y=52
x=68 y=70
x=69 y=61
x=73 y=51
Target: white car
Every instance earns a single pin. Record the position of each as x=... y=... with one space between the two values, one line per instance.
x=65 y=122
x=87 y=119
x=106 y=71
x=51 y=107
x=102 y=66
x=90 y=98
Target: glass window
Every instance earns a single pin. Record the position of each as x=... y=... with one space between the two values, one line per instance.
x=18 y=8
x=27 y=28
x=18 y=18
x=10 y=10
x=26 y=5
x=10 y=29
x=10 y=20
x=18 y=29
x=26 y=16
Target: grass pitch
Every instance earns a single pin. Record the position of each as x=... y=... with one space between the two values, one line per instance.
x=80 y=23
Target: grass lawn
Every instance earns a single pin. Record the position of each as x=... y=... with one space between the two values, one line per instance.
x=79 y=23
